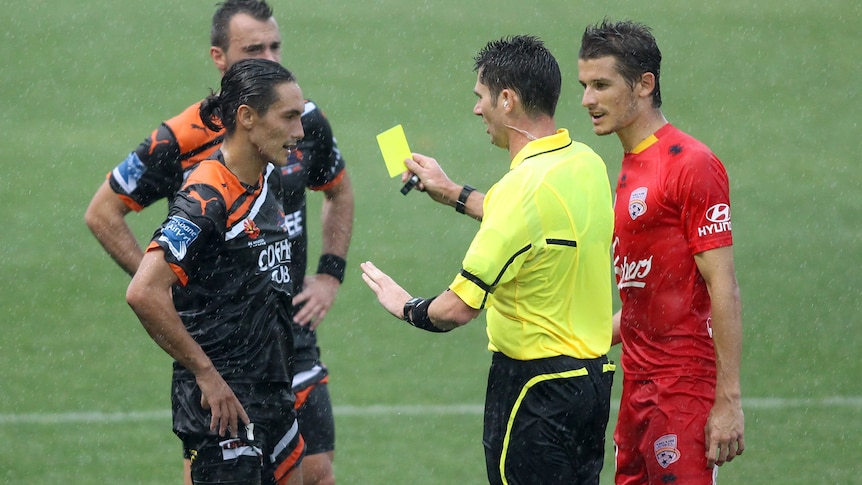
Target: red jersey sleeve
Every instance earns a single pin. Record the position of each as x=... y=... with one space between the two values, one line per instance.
x=702 y=189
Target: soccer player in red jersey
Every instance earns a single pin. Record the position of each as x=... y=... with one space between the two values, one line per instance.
x=680 y=324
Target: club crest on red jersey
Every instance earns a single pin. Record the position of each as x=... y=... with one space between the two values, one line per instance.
x=637 y=202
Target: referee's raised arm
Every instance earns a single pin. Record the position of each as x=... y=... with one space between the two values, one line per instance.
x=432 y=180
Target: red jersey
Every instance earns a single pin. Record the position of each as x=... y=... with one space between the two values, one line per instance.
x=672 y=202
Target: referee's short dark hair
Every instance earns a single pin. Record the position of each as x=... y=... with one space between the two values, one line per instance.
x=521 y=63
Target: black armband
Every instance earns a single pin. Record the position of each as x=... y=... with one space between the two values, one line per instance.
x=461 y=204
x=416 y=314
x=332 y=265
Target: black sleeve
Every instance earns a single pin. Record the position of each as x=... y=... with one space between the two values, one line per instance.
x=192 y=229
x=151 y=172
x=326 y=160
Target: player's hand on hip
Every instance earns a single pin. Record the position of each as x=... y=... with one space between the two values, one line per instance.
x=217 y=396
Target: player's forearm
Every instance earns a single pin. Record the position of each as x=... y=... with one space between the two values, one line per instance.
x=164 y=326
x=105 y=217
x=149 y=296
x=337 y=219
x=727 y=339
x=616 y=338
x=717 y=268
x=121 y=245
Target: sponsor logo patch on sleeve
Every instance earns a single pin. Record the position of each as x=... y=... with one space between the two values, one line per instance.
x=719 y=220
x=129 y=172
x=178 y=234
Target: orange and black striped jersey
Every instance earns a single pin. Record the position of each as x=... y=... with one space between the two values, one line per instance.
x=155 y=170
x=228 y=244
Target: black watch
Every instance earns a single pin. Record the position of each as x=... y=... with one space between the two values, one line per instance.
x=409 y=306
x=461 y=203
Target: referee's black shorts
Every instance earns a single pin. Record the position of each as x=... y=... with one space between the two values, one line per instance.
x=545 y=420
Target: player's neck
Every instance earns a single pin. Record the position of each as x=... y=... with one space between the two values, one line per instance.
x=247 y=166
x=640 y=129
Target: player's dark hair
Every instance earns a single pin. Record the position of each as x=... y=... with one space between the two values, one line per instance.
x=248 y=82
x=220 y=35
x=521 y=63
x=631 y=44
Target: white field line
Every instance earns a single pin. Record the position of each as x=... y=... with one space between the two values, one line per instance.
x=765 y=403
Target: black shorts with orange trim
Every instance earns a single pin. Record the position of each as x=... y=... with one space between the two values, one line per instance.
x=314 y=410
x=545 y=419
x=274 y=438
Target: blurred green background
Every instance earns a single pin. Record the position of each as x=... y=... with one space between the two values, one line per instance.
x=772 y=87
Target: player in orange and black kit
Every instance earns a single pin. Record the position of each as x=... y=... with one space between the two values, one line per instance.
x=155 y=170
x=234 y=254
x=214 y=289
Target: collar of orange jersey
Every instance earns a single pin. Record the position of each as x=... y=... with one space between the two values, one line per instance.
x=558 y=140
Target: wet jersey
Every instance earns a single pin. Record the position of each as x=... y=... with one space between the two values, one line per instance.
x=228 y=245
x=541 y=256
x=672 y=202
x=156 y=168
x=316 y=163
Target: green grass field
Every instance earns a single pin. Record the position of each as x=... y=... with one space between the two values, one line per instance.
x=772 y=87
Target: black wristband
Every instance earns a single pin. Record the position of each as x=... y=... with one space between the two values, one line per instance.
x=332 y=265
x=409 y=306
x=461 y=204
x=416 y=314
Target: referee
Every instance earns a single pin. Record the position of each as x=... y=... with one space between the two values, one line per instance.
x=540 y=265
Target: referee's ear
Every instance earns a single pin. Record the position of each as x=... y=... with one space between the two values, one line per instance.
x=508 y=99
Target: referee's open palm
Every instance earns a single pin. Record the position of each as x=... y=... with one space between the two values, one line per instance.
x=389 y=294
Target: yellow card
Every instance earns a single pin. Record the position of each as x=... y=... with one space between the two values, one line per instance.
x=393 y=146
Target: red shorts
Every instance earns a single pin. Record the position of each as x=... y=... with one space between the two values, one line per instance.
x=660 y=438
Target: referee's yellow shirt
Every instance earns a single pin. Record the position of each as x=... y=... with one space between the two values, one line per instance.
x=540 y=262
